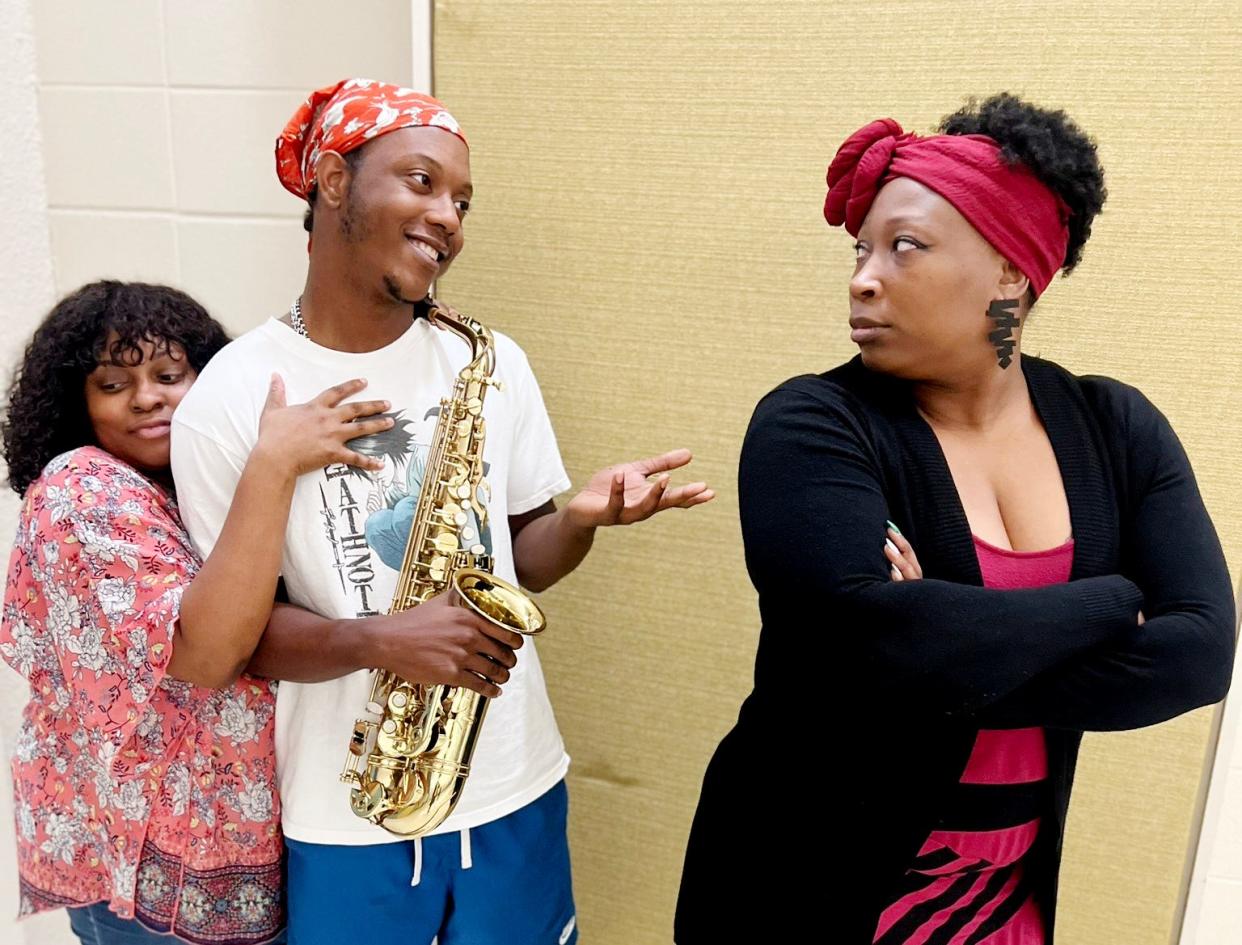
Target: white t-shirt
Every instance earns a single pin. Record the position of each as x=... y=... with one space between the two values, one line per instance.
x=346 y=536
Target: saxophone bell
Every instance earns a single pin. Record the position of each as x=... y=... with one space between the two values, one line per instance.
x=498 y=601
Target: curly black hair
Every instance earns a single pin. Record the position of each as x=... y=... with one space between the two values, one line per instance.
x=352 y=160
x=1056 y=150
x=46 y=412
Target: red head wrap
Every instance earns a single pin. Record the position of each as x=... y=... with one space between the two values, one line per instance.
x=346 y=116
x=1009 y=206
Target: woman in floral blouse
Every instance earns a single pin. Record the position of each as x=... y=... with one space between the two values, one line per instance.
x=144 y=768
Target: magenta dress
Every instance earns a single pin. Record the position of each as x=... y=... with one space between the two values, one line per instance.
x=969 y=885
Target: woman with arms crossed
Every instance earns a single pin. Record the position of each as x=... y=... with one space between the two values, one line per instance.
x=1067 y=576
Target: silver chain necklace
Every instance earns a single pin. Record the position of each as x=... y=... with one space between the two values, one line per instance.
x=295 y=318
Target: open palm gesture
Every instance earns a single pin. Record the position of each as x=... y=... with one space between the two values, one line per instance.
x=632 y=492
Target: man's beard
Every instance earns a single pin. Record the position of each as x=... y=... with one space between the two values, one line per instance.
x=356 y=226
x=355 y=222
x=394 y=291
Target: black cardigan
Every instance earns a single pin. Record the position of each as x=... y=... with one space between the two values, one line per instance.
x=868 y=692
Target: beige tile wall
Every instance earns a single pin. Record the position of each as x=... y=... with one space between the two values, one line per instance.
x=26 y=274
x=77 y=43
x=240 y=44
x=159 y=117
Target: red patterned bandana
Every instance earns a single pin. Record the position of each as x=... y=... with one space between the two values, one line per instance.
x=346 y=116
x=1009 y=206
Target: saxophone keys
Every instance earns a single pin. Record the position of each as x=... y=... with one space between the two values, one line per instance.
x=398 y=703
x=358 y=738
x=437 y=570
x=367 y=801
x=474 y=406
x=446 y=543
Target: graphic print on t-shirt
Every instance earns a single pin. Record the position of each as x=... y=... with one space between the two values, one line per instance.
x=367 y=516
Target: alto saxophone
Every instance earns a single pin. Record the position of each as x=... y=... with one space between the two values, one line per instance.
x=407 y=764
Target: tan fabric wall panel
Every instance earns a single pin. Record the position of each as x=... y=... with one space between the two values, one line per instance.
x=649 y=180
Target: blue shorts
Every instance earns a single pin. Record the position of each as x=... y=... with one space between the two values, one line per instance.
x=505 y=883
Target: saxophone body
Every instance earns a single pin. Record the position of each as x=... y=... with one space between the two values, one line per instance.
x=409 y=759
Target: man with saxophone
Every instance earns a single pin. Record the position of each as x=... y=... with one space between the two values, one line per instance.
x=386 y=175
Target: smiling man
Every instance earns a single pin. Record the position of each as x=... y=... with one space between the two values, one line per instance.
x=386 y=175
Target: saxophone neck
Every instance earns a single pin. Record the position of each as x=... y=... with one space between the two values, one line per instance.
x=474 y=333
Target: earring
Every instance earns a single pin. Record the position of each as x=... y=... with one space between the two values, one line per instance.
x=1002 y=336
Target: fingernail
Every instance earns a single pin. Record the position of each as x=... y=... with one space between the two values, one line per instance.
x=892 y=526
x=897 y=574
x=890 y=546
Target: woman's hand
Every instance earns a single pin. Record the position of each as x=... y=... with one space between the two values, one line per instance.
x=229 y=602
x=309 y=436
x=903 y=563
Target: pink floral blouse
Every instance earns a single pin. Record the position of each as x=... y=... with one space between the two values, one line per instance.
x=131 y=787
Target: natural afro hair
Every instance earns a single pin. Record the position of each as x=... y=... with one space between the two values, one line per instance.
x=46 y=412
x=1056 y=150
